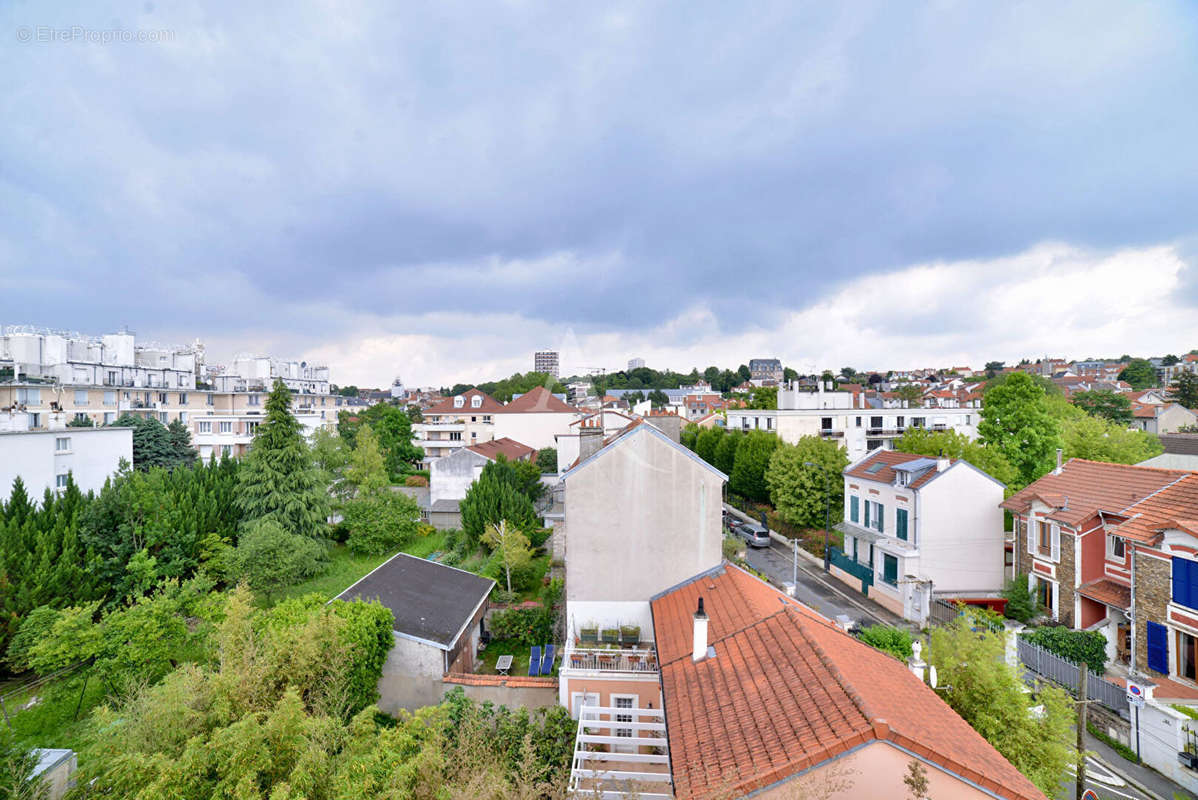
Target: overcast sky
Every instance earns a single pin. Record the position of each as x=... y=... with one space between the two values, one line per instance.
x=437 y=189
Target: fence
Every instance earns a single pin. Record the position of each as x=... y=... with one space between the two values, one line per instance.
x=1058 y=670
x=865 y=573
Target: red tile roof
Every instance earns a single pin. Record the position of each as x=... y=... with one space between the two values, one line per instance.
x=1085 y=487
x=1108 y=592
x=513 y=450
x=511 y=681
x=1175 y=506
x=539 y=400
x=489 y=405
x=788 y=690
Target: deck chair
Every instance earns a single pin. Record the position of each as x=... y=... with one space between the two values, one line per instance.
x=547 y=662
x=534 y=661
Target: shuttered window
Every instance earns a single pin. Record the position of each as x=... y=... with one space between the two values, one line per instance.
x=890 y=569
x=900 y=523
x=867 y=505
x=1158 y=648
x=1185 y=582
x=855 y=508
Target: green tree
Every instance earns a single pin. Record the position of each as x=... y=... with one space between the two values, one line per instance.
x=331 y=455
x=80 y=421
x=744 y=373
x=17 y=764
x=764 y=397
x=658 y=398
x=547 y=460
x=380 y=522
x=1021 y=602
x=179 y=438
x=1015 y=421
x=990 y=694
x=393 y=428
x=690 y=435
x=366 y=471
x=926 y=442
x=1184 y=390
x=798 y=491
x=1105 y=403
x=993 y=368
x=268 y=558
x=895 y=641
x=1098 y=439
x=492 y=498
x=725 y=451
x=1169 y=360
x=349 y=391
x=1139 y=373
x=510 y=544
x=911 y=393
x=278 y=479
x=152 y=446
x=752 y=458
x=707 y=442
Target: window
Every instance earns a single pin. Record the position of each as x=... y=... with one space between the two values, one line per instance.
x=183 y=416
x=855 y=508
x=875 y=423
x=1185 y=582
x=1044 y=594
x=625 y=701
x=112 y=379
x=580 y=699
x=60 y=481
x=254 y=400
x=890 y=569
x=110 y=398
x=81 y=397
x=476 y=401
x=251 y=428
x=226 y=427
x=182 y=398
x=486 y=418
x=226 y=450
x=900 y=523
x=1044 y=537
x=874 y=515
x=62 y=444
x=29 y=397
x=109 y=417
x=1114 y=547
x=1187 y=657
x=211 y=400
x=162 y=397
x=919 y=422
x=825 y=424
x=1158 y=647
x=900 y=423
x=163 y=417
x=858 y=422
x=203 y=427
x=455 y=436
x=474 y=419
x=35 y=420
x=459 y=402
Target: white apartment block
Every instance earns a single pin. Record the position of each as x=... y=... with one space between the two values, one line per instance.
x=545 y=361
x=44 y=459
x=114 y=360
x=259 y=373
x=858 y=423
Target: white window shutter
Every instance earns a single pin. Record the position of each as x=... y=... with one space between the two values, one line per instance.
x=1056 y=542
x=1030 y=528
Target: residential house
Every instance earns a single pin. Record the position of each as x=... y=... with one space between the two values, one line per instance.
x=1181 y=452
x=603 y=423
x=44 y=458
x=534 y=418
x=918 y=528
x=456 y=422
x=765 y=698
x=439 y=613
x=1161 y=418
x=642 y=513
x=765 y=371
x=450 y=476
x=1072 y=547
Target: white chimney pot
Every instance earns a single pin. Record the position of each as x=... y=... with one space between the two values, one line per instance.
x=700 y=643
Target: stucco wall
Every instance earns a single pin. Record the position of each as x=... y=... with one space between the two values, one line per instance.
x=533 y=429
x=93 y=456
x=647 y=690
x=641 y=517
x=451 y=476
x=510 y=696
x=411 y=676
x=874 y=771
x=960 y=532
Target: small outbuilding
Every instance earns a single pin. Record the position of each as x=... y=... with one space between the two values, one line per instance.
x=439 y=614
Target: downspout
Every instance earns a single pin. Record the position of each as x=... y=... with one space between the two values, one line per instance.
x=1131 y=668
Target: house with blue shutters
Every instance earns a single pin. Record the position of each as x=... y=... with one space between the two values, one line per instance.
x=918 y=528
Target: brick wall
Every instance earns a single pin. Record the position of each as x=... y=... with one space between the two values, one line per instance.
x=1152 y=598
x=1065 y=572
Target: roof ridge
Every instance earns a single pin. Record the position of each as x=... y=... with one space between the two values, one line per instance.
x=1154 y=493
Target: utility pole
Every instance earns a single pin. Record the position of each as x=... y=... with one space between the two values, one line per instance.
x=794 y=575
x=1083 y=702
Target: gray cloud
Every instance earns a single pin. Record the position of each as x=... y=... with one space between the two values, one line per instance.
x=284 y=161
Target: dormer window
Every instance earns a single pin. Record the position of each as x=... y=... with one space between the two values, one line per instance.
x=904 y=477
x=476 y=401
x=459 y=401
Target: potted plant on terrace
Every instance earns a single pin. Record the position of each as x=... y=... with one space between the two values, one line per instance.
x=589 y=633
x=630 y=635
x=611 y=635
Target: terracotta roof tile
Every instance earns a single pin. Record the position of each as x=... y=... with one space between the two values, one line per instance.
x=786 y=677
x=489 y=404
x=512 y=681
x=888 y=459
x=1083 y=488
x=1175 y=506
x=513 y=450
x=1108 y=592
x=539 y=400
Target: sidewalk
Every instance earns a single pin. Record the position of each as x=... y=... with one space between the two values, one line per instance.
x=1146 y=779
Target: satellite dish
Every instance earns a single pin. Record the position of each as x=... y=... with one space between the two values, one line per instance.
x=932 y=680
x=303 y=364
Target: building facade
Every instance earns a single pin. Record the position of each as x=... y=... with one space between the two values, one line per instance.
x=545 y=361
x=765 y=371
x=44 y=459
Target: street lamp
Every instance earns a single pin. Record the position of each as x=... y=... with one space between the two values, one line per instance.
x=827 y=514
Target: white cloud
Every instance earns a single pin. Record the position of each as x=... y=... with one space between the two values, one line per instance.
x=1051 y=299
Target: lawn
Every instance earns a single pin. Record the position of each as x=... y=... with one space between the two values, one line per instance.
x=511 y=647
x=52 y=722
x=347 y=567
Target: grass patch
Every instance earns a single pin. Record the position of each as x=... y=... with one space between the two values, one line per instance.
x=425 y=546
x=541 y=564
x=1189 y=711
x=52 y=722
x=512 y=647
x=1114 y=744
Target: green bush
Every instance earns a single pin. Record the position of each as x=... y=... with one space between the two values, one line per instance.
x=381 y=522
x=890 y=640
x=1116 y=745
x=538 y=536
x=1021 y=603
x=529 y=626
x=731 y=548
x=1088 y=647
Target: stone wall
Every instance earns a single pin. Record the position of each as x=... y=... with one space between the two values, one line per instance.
x=1065 y=573
x=1152 y=599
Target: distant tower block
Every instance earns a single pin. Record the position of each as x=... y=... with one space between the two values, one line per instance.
x=545 y=361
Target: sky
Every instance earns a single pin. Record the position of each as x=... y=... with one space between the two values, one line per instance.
x=436 y=190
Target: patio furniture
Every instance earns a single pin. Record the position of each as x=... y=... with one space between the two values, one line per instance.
x=547 y=661
x=534 y=661
x=503 y=664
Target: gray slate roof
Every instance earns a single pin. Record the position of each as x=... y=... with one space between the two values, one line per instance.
x=430 y=601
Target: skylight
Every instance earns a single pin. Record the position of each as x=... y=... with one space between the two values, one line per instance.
x=874 y=467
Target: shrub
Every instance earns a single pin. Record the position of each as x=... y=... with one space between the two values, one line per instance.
x=415 y=480
x=890 y=640
x=529 y=626
x=1088 y=647
x=1021 y=603
x=381 y=522
x=538 y=536
x=731 y=548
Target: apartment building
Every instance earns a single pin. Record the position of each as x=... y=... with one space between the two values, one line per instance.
x=765 y=371
x=44 y=356
x=258 y=373
x=545 y=361
x=860 y=421
x=44 y=458
x=456 y=422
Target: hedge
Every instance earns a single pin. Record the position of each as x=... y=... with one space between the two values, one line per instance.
x=529 y=626
x=1087 y=647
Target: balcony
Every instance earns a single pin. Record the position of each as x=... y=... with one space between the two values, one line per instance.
x=884 y=431
x=640 y=660
x=831 y=434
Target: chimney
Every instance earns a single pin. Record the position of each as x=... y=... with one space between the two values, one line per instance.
x=1060 y=453
x=916 y=663
x=590 y=440
x=700 y=649
x=942 y=463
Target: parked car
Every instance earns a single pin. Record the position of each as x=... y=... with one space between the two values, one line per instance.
x=755 y=535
